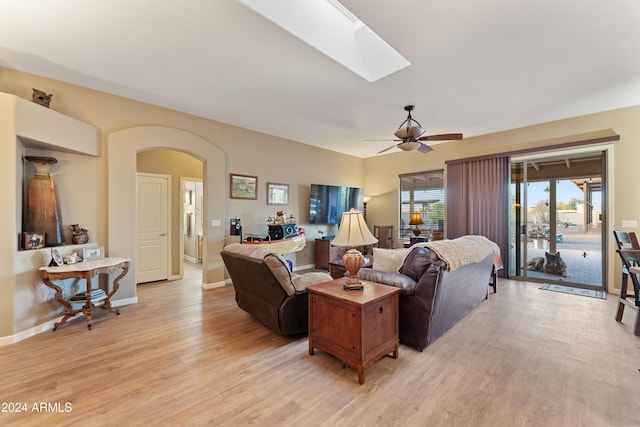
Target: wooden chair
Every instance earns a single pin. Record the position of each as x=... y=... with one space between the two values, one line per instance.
x=629 y=251
x=626 y=240
x=384 y=234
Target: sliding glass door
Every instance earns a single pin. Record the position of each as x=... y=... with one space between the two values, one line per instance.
x=556 y=221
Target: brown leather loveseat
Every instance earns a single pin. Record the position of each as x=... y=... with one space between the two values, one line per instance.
x=435 y=293
x=266 y=289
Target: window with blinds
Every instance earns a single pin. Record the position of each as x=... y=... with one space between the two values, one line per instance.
x=422 y=192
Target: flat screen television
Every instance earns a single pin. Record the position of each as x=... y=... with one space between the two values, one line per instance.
x=327 y=202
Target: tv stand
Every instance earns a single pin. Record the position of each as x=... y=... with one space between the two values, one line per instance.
x=326 y=252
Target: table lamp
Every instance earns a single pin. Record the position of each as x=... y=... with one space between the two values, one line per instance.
x=416 y=219
x=353 y=231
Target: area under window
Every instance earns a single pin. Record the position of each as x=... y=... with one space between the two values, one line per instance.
x=423 y=193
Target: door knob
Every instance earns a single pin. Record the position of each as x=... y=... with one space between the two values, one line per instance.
x=163 y=234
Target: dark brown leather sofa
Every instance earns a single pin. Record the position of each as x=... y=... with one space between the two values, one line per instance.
x=433 y=298
x=266 y=289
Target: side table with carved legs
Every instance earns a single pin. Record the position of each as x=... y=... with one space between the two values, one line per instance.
x=85 y=270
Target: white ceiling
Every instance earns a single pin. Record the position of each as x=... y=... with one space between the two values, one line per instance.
x=476 y=66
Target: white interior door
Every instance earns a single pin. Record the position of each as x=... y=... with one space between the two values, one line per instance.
x=152 y=254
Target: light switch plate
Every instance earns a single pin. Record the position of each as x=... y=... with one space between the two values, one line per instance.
x=216 y=223
x=629 y=223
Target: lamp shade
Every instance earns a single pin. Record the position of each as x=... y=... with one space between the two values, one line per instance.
x=416 y=219
x=353 y=231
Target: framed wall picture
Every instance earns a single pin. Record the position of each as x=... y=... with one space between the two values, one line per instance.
x=277 y=194
x=56 y=257
x=33 y=240
x=243 y=186
x=96 y=252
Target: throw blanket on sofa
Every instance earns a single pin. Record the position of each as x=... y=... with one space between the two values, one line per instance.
x=463 y=250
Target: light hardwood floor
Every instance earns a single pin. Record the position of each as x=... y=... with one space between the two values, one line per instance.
x=184 y=356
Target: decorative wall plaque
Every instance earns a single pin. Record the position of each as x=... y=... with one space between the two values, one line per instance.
x=40 y=97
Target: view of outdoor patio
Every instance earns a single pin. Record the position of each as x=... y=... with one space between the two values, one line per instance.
x=563 y=221
x=580 y=250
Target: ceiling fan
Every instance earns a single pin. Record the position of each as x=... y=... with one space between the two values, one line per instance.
x=411 y=135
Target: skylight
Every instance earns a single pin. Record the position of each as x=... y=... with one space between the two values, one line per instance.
x=333 y=30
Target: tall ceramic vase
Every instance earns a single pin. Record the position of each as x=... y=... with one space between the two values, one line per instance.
x=43 y=205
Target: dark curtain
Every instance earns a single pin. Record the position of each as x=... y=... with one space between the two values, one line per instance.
x=478 y=201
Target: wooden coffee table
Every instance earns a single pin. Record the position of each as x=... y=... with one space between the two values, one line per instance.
x=357 y=327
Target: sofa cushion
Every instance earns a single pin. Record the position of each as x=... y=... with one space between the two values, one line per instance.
x=278 y=266
x=292 y=283
x=276 y=263
x=388 y=260
x=301 y=281
x=417 y=262
x=406 y=284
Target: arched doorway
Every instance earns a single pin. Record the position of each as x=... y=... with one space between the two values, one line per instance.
x=122 y=149
x=179 y=235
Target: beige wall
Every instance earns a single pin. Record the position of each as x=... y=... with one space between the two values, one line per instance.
x=270 y=158
x=31 y=129
x=11 y=177
x=275 y=159
x=381 y=173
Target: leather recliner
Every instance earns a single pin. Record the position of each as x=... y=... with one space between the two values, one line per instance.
x=266 y=288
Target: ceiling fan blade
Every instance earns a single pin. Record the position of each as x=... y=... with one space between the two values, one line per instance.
x=424 y=148
x=382 y=140
x=441 y=137
x=387 y=149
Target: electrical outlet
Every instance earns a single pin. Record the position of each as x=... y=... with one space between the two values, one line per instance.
x=629 y=223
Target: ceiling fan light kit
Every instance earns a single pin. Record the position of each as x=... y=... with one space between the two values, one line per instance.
x=409 y=146
x=410 y=131
x=410 y=134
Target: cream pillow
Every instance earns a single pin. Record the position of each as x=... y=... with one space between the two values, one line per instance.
x=389 y=260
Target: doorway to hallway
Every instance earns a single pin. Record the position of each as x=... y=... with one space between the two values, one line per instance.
x=184 y=211
x=192 y=227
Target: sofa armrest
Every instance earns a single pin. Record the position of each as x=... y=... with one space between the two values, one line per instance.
x=301 y=281
x=405 y=283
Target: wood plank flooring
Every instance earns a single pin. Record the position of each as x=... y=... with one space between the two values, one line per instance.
x=184 y=356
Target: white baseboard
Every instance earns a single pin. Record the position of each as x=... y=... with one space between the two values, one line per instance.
x=48 y=326
x=125 y=301
x=190 y=259
x=23 y=335
x=214 y=285
x=305 y=267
